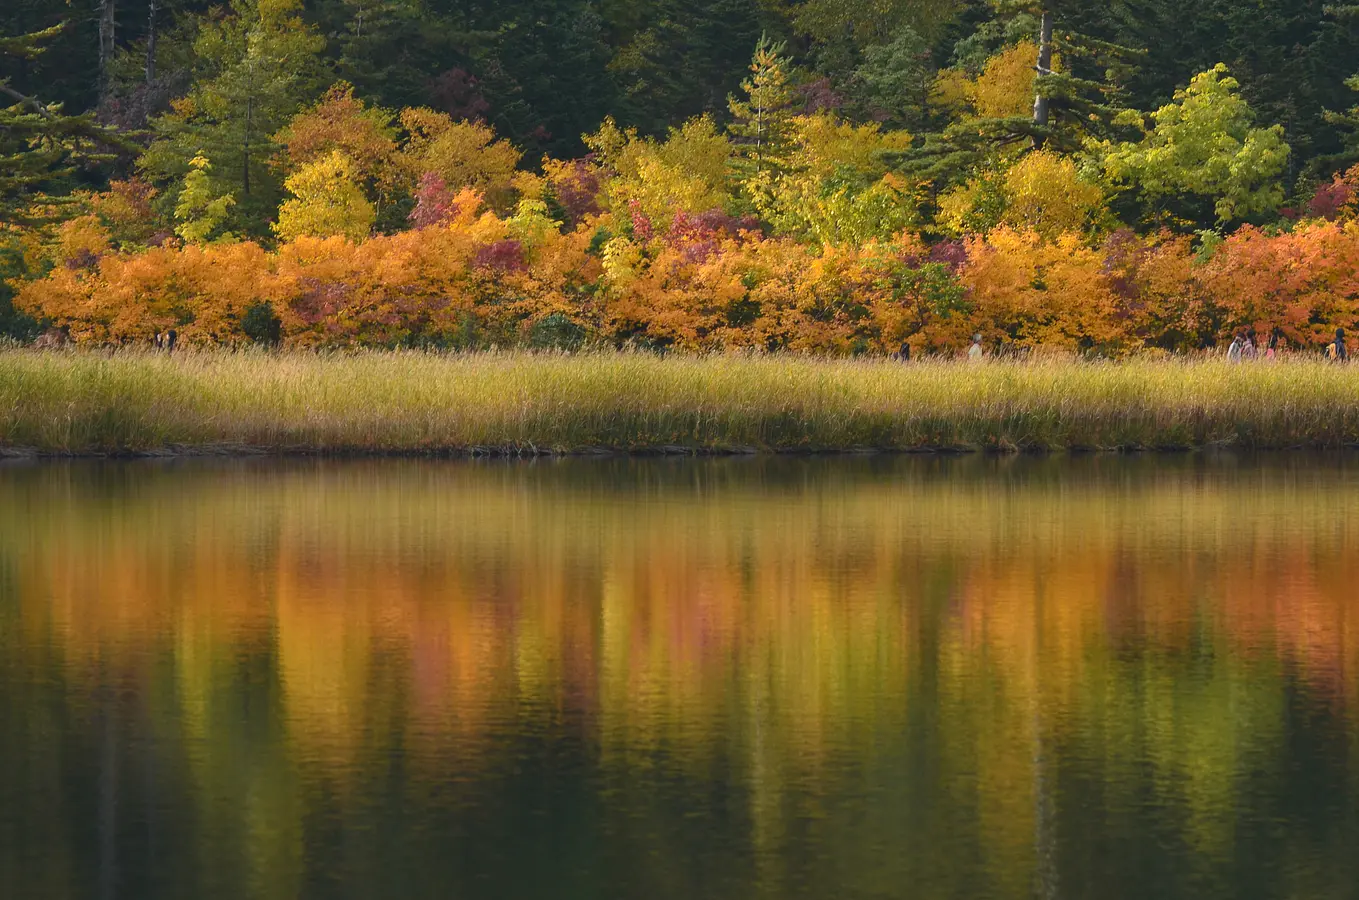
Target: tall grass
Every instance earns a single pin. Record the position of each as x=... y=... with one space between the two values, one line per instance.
x=89 y=402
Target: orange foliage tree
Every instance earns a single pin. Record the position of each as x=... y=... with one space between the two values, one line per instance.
x=1305 y=281
x=467 y=275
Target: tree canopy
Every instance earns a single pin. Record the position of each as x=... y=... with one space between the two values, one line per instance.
x=616 y=147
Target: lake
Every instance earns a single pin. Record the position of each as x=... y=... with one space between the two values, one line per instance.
x=860 y=677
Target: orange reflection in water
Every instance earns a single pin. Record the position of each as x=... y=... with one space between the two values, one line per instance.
x=792 y=621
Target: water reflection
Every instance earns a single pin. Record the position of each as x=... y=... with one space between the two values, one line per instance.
x=853 y=678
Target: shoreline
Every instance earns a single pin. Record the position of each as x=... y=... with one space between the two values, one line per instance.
x=237 y=451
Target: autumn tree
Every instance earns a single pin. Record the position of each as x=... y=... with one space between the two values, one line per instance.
x=200 y=209
x=1005 y=87
x=326 y=201
x=1055 y=88
x=127 y=210
x=685 y=173
x=834 y=186
x=1042 y=192
x=365 y=134
x=463 y=154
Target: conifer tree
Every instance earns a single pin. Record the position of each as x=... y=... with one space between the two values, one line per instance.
x=761 y=121
x=258 y=66
x=1083 y=99
x=41 y=146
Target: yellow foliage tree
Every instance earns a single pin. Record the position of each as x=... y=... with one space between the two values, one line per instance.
x=81 y=240
x=326 y=201
x=833 y=186
x=531 y=223
x=463 y=154
x=824 y=145
x=341 y=121
x=1005 y=87
x=687 y=172
x=1042 y=193
x=1045 y=194
x=975 y=207
x=1041 y=293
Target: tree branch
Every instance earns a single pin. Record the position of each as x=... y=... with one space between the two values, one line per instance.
x=31 y=101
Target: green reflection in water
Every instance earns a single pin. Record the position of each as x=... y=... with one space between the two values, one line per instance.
x=739 y=678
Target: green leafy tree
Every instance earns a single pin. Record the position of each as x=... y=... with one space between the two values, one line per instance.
x=685 y=173
x=1202 y=145
x=833 y=186
x=200 y=211
x=1291 y=57
x=258 y=65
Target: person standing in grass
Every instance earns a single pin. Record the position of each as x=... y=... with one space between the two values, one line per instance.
x=1234 y=351
x=1248 y=349
x=975 y=352
x=1273 y=349
x=1335 y=351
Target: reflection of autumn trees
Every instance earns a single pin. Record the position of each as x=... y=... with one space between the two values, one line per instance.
x=870 y=652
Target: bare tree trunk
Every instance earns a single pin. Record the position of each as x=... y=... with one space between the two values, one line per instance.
x=245 y=162
x=151 y=42
x=249 y=124
x=107 y=24
x=1041 y=112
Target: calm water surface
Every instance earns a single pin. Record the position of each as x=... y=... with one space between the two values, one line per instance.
x=870 y=678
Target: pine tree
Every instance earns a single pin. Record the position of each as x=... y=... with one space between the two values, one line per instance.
x=40 y=146
x=1086 y=99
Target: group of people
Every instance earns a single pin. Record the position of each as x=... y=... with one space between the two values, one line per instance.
x=974 y=353
x=1244 y=347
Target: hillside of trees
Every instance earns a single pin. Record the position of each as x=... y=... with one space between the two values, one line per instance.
x=821 y=175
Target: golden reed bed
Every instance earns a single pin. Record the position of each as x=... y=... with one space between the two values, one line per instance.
x=77 y=403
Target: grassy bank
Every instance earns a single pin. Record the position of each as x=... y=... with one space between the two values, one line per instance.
x=88 y=403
